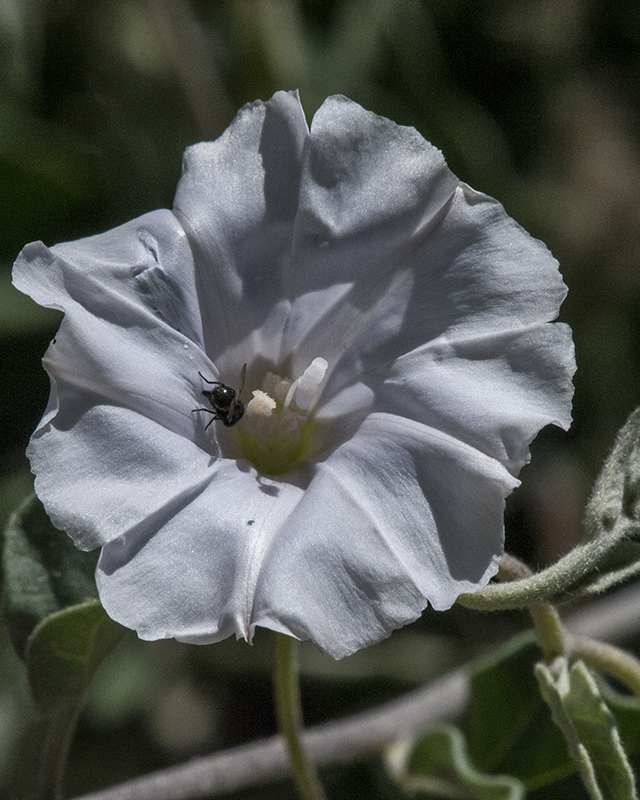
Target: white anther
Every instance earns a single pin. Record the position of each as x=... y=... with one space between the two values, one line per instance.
x=259 y=414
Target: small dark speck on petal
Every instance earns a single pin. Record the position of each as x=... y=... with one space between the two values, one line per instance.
x=251 y=522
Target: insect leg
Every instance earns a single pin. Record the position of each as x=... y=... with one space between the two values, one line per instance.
x=206 y=380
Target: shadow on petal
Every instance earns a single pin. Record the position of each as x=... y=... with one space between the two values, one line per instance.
x=127 y=546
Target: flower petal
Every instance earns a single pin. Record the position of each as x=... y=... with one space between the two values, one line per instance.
x=345 y=573
x=101 y=469
x=238 y=198
x=434 y=262
x=122 y=373
x=476 y=273
x=474 y=290
x=189 y=571
x=493 y=392
x=400 y=516
x=368 y=188
x=139 y=274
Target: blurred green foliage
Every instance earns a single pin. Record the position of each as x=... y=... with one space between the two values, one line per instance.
x=536 y=102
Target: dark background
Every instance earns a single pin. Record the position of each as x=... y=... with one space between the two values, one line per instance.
x=536 y=102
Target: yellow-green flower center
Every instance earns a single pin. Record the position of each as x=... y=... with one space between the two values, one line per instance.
x=276 y=434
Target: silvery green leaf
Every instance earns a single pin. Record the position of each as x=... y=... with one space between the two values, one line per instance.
x=63 y=653
x=614 y=506
x=589 y=729
x=43 y=572
x=437 y=764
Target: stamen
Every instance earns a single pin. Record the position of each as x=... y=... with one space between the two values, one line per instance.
x=306 y=386
x=260 y=414
x=277 y=413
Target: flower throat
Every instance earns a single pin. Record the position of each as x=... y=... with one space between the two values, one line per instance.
x=276 y=433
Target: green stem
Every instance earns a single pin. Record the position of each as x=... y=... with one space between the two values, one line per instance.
x=287 y=695
x=609 y=659
x=549 y=628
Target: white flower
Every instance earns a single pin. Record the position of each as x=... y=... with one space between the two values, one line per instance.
x=396 y=329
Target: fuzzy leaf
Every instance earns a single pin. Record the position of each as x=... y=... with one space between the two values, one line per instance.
x=620 y=564
x=509 y=729
x=62 y=655
x=589 y=729
x=438 y=764
x=508 y=725
x=64 y=652
x=43 y=572
x=615 y=501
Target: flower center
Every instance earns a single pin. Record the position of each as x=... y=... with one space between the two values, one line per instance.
x=276 y=432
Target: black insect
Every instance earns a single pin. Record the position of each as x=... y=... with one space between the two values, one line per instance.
x=225 y=401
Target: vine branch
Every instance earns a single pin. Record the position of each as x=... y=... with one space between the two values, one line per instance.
x=356 y=737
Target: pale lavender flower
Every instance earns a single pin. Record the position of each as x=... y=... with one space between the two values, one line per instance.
x=416 y=314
